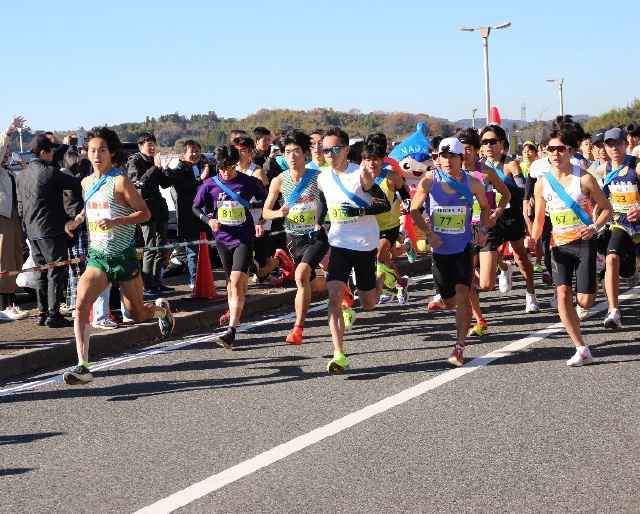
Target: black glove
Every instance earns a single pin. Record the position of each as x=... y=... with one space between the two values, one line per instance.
x=317 y=235
x=257 y=204
x=349 y=210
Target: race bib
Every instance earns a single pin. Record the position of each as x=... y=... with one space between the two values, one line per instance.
x=449 y=220
x=231 y=212
x=337 y=216
x=624 y=197
x=565 y=220
x=95 y=212
x=302 y=216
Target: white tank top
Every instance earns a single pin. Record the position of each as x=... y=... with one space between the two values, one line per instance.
x=352 y=233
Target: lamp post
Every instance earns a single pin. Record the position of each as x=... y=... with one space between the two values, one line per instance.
x=559 y=81
x=473 y=118
x=484 y=34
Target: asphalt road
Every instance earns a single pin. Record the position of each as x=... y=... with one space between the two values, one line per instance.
x=264 y=429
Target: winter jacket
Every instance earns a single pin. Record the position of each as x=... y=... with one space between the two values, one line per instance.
x=40 y=203
x=185 y=186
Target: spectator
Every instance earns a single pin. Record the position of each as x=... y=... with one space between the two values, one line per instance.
x=236 y=133
x=262 y=138
x=10 y=236
x=147 y=171
x=186 y=178
x=41 y=207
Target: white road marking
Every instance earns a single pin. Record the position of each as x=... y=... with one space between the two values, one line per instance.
x=243 y=469
x=188 y=342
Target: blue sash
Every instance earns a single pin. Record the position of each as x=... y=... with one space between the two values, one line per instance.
x=502 y=176
x=304 y=182
x=569 y=202
x=233 y=195
x=354 y=198
x=463 y=190
x=611 y=175
x=96 y=187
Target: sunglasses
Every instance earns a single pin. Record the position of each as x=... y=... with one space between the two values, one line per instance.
x=491 y=141
x=334 y=149
x=559 y=148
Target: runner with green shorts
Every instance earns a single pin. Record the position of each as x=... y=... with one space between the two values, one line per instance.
x=113 y=207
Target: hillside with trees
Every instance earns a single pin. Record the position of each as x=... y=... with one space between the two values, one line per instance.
x=614 y=117
x=210 y=130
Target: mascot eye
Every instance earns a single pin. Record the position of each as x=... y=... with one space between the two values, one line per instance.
x=406 y=166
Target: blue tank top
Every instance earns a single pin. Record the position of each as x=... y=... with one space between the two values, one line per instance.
x=450 y=216
x=623 y=194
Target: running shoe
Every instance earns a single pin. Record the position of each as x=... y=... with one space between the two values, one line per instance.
x=554 y=299
x=105 y=324
x=13 y=313
x=151 y=292
x=78 y=375
x=349 y=317
x=224 y=319
x=537 y=267
x=166 y=322
x=633 y=280
x=295 y=336
x=339 y=363
x=505 y=281
x=480 y=329
x=166 y=289
x=227 y=339
x=386 y=296
x=531 y=304
x=286 y=262
x=547 y=278
x=456 y=358
x=580 y=358
x=613 y=319
x=403 y=290
x=411 y=252
x=390 y=279
x=582 y=313
x=436 y=304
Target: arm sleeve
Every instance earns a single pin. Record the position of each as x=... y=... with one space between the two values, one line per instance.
x=199 y=213
x=322 y=208
x=379 y=201
x=403 y=193
x=530 y=187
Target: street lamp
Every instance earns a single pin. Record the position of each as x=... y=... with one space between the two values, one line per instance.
x=473 y=118
x=484 y=34
x=559 y=81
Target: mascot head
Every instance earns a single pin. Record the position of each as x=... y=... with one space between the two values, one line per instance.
x=413 y=155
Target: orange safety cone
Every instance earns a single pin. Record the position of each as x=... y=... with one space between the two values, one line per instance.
x=205 y=287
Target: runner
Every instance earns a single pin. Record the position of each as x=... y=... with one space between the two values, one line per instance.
x=395 y=188
x=566 y=191
x=316 y=149
x=353 y=198
x=512 y=221
x=621 y=177
x=450 y=193
x=436 y=304
x=484 y=258
x=266 y=264
x=529 y=155
x=303 y=212
x=226 y=198
x=113 y=207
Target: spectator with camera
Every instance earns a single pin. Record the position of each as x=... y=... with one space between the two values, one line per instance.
x=148 y=171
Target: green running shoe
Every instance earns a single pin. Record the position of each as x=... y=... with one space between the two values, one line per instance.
x=349 y=316
x=537 y=267
x=479 y=329
x=339 y=363
x=411 y=252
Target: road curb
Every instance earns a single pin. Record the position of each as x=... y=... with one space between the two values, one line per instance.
x=64 y=353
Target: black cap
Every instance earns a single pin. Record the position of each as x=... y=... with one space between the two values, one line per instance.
x=597 y=136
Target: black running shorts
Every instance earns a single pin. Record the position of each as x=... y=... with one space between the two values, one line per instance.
x=308 y=250
x=452 y=270
x=342 y=261
x=579 y=256
x=236 y=258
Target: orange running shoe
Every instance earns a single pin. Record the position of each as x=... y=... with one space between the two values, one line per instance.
x=295 y=336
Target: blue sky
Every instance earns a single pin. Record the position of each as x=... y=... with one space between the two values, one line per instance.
x=90 y=63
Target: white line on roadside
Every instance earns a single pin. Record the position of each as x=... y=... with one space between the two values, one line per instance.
x=243 y=469
x=176 y=346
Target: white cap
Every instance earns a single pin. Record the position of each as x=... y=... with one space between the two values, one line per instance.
x=450 y=145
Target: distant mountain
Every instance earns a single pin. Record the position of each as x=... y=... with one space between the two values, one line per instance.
x=508 y=124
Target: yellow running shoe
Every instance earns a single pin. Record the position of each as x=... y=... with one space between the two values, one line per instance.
x=338 y=364
x=390 y=279
x=479 y=329
x=349 y=316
